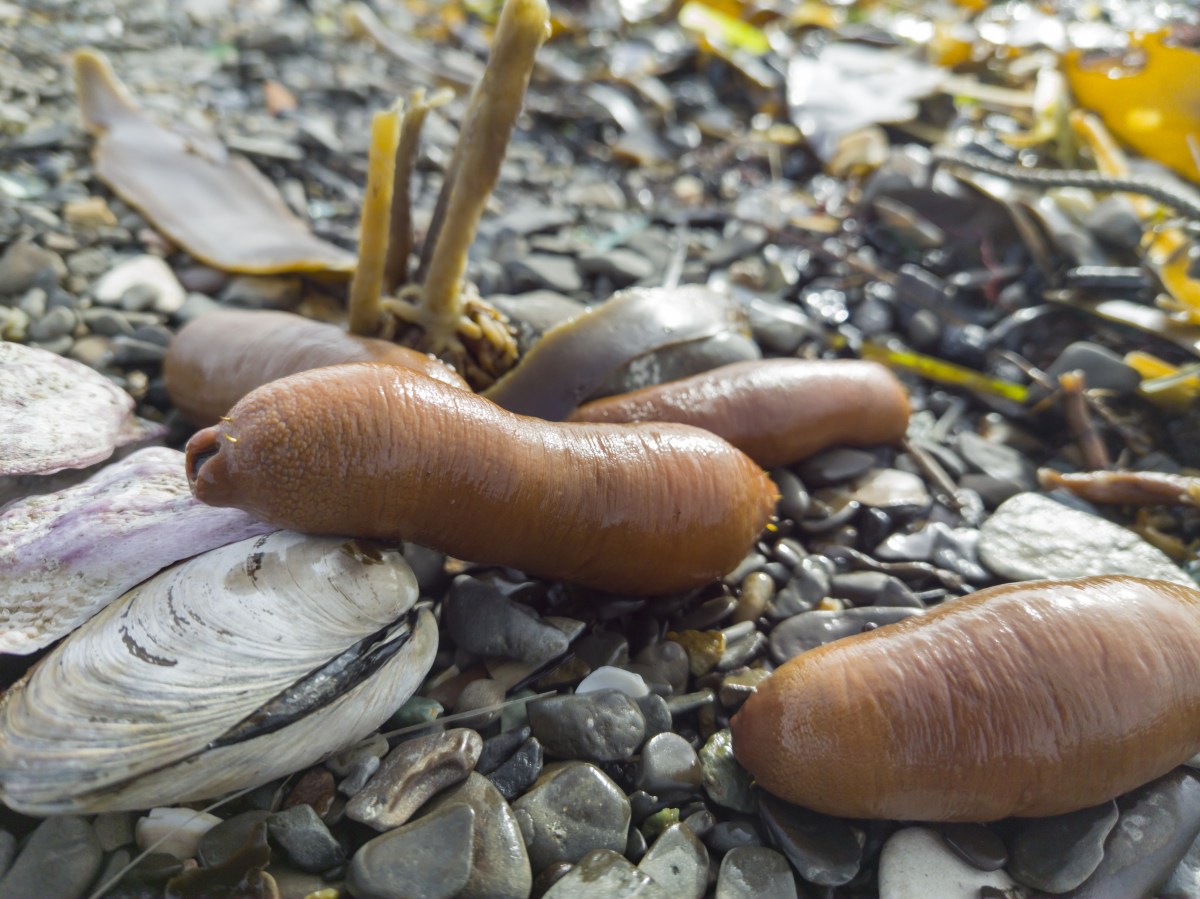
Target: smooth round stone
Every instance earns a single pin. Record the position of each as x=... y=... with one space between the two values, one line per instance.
x=58 y=322
x=668 y=766
x=61 y=859
x=601 y=649
x=431 y=858
x=794 y=501
x=756 y=591
x=543 y=271
x=481 y=619
x=114 y=829
x=621 y=266
x=571 y=811
x=315 y=787
x=1102 y=368
x=1031 y=537
x=1059 y=853
x=230 y=837
x=916 y=863
x=92 y=350
x=708 y=614
x=738 y=686
x=24 y=265
x=412 y=773
x=874 y=588
x=725 y=836
x=635 y=845
x=346 y=761
x=131 y=351
x=725 y=781
x=519 y=772
x=500 y=865
x=754 y=872
x=811 y=579
x=656 y=712
x=890 y=488
x=148 y=273
x=484 y=693
x=824 y=850
x=996 y=460
x=976 y=845
x=835 y=466
x=809 y=630
x=678 y=862
x=669 y=660
x=700 y=822
x=743 y=650
x=305 y=839
x=176 y=831
x=604 y=727
x=608 y=677
x=605 y=874
x=498 y=749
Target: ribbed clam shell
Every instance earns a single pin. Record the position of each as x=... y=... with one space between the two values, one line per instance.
x=145 y=703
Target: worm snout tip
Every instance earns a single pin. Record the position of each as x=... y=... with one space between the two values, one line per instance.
x=202 y=447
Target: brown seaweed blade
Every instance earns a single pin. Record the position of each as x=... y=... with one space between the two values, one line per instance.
x=217 y=206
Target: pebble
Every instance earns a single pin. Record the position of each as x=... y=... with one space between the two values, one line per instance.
x=114 y=829
x=725 y=781
x=670 y=661
x=24 y=265
x=484 y=693
x=809 y=630
x=835 y=466
x=678 y=862
x=315 y=787
x=256 y=292
x=1102 y=368
x=657 y=714
x=976 y=845
x=498 y=749
x=738 y=686
x=725 y=836
x=149 y=274
x=794 y=501
x=543 y=271
x=231 y=836
x=668 y=767
x=753 y=872
x=305 y=839
x=481 y=619
x=431 y=858
x=824 y=850
x=890 y=488
x=412 y=773
x=602 y=727
x=605 y=874
x=1059 y=853
x=756 y=591
x=176 y=831
x=704 y=649
x=916 y=863
x=621 y=266
x=61 y=859
x=1185 y=879
x=89 y=212
x=500 y=866
x=108 y=322
x=1031 y=536
x=996 y=460
x=348 y=760
x=58 y=322
x=876 y=588
x=569 y=812
x=522 y=769
x=608 y=677
x=606 y=648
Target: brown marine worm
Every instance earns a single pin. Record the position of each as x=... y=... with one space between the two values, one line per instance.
x=217 y=359
x=1130 y=488
x=370 y=450
x=1030 y=699
x=776 y=411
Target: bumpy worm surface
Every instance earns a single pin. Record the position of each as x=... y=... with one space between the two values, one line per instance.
x=378 y=451
x=776 y=411
x=217 y=359
x=1029 y=699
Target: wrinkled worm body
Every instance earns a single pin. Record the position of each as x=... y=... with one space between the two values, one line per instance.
x=379 y=451
x=776 y=411
x=1028 y=699
x=218 y=358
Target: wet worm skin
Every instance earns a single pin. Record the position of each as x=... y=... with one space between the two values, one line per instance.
x=776 y=411
x=217 y=359
x=379 y=451
x=1027 y=699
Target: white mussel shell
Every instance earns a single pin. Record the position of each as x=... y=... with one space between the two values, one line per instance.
x=66 y=555
x=215 y=675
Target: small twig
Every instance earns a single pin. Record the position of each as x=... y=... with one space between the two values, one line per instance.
x=1079 y=421
x=367 y=286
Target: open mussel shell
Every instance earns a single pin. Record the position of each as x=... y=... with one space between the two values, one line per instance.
x=244 y=664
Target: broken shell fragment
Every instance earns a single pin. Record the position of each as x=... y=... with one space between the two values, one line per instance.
x=236 y=667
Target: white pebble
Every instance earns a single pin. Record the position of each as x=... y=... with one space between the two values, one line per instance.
x=606 y=677
x=916 y=863
x=148 y=271
x=180 y=830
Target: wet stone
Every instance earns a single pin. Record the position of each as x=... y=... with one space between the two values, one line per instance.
x=703 y=648
x=678 y=862
x=609 y=678
x=751 y=872
x=305 y=839
x=657 y=714
x=543 y=271
x=670 y=660
x=484 y=693
x=834 y=466
x=571 y=811
x=131 y=351
x=1059 y=853
x=996 y=460
x=500 y=864
x=635 y=845
x=316 y=788
x=604 y=874
x=177 y=831
x=725 y=781
x=809 y=630
x=824 y=850
x=603 y=727
x=668 y=766
x=738 y=686
x=142 y=282
x=622 y=267
x=431 y=858
x=890 y=488
x=794 y=501
x=1185 y=879
x=1102 y=368
x=725 y=836
x=976 y=844
x=498 y=749
x=480 y=619
x=58 y=322
x=756 y=591
x=519 y=772
x=916 y=863
x=231 y=836
x=114 y=829
x=873 y=588
x=412 y=773
x=60 y=859
x=1031 y=536
x=607 y=648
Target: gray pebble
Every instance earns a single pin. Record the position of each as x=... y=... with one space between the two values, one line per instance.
x=669 y=660
x=725 y=781
x=834 y=466
x=33 y=303
x=605 y=726
x=481 y=619
x=349 y=760
x=809 y=630
x=621 y=266
x=24 y=265
x=657 y=713
x=223 y=841
x=635 y=846
x=755 y=873
x=1059 y=853
x=997 y=460
x=794 y=501
x=109 y=322
x=1102 y=368
x=498 y=749
x=976 y=844
x=604 y=874
x=60 y=346
x=600 y=649
x=58 y=322
x=668 y=767
x=412 y=773
x=61 y=859
x=358 y=776
x=519 y=772
x=678 y=862
x=305 y=838
x=826 y=851
x=92 y=350
x=8 y=851
x=1185 y=879
x=916 y=863
x=571 y=811
x=484 y=693
x=131 y=351
x=543 y=271
x=725 y=836
x=740 y=652
x=873 y=588
x=431 y=858
x=254 y=292
x=114 y=829
x=139 y=298
x=756 y=591
x=153 y=333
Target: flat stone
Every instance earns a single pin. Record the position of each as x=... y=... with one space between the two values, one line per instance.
x=1059 y=853
x=605 y=874
x=808 y=630
x=916 y=863
x=834 y=466
x=668 y=766
x=305 y=838
x=824 y=850
x=752 y=872
x=1031 y=537
x=976 y=844
x=621 y=266
x=608 y=677
x=997 y=460
x=873 y=588
x=481 y=619
x=571 y=811
x=678 y=862
x=602 y=727
x=543 y=271
x=431 y=858
x=1102 y=368
x=725 y=781
x=231 y=836
x=498 y=749
x=738 y=833
x=412 y=773
x=176 y=831
x=890 y=488
x=656 y=712
x=519 y=772
x=61 y=859
x=58 y=322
